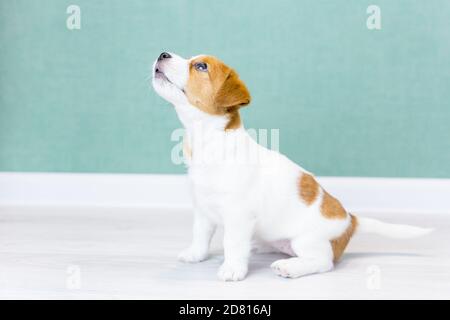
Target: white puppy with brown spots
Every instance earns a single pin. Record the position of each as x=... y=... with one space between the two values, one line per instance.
x=256 y=194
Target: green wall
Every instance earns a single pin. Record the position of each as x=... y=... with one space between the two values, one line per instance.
x=348 y=101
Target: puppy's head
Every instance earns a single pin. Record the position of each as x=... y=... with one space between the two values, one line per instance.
x=203 y=81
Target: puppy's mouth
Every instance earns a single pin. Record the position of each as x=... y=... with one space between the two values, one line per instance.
x=161 y=75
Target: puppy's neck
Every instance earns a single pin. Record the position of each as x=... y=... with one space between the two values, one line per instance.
x=193 y=119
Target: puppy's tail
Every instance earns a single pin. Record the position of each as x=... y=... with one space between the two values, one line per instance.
x=399 y=231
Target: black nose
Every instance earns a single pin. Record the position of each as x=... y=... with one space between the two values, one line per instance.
x=163 y=56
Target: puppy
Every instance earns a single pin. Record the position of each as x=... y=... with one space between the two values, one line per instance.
x=256 y=194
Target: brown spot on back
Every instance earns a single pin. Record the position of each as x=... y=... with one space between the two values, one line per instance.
x=309 y=188
x=219 y=91
x=339 y=244
x=187 y=151
x=331 y=208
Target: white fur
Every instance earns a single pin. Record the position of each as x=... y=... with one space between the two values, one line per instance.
x=249 y=190
x=399 y=231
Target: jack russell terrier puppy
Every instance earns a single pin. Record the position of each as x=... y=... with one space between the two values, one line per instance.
x=257 y=195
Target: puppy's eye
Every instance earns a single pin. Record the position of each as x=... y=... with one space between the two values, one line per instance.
x=201 y=66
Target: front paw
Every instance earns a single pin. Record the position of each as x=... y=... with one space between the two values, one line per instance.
x=191 y=255
x=232 y=272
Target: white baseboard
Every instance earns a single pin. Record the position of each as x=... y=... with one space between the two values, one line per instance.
x=171 y=191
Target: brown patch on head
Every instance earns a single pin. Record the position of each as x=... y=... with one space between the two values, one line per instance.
x=339 y=244
x=217 y=90
x=331 y=208
x=309 y=188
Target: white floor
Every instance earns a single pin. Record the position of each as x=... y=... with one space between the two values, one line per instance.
x=92 y=253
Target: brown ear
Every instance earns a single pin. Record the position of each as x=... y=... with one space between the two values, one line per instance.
x=233 y=93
